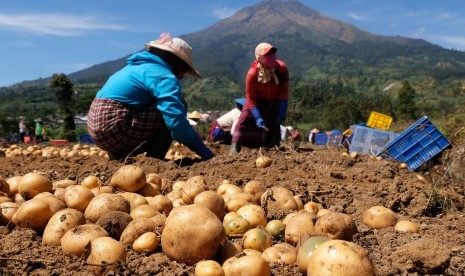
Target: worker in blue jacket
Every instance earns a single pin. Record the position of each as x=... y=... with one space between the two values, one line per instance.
x=141 y=107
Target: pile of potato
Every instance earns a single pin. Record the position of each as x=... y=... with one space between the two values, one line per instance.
x=52 y=151
x=222 y=232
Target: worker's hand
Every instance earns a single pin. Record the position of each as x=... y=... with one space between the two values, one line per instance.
x=199 y=147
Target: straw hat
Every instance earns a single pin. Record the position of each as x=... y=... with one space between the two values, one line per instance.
x=195 y=115
x=315 y=130
x=178 y=47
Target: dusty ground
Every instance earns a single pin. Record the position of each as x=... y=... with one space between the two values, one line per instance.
x=316 y=173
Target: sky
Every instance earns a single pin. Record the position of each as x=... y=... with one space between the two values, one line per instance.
x=39 y=38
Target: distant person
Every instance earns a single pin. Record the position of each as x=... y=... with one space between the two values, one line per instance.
x=222 y=128
x=22 y=130
x=266 y=92
x=141 y=107
x=295 y=136
x=39 y=131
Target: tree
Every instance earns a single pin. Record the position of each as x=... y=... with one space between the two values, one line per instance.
x=406 y=108
x=64 y=94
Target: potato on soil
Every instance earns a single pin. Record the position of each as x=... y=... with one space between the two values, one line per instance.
x=254 y=214
x=306 y=250
x=75 y=240
x=147 y=242
x=340 y=258
x=162 y=204
x=128 y=178
x=281 y=253
x=32 y=184
x=406 y=226
x=134 y=199
x=208 y=268
x=256 y=189
x=33 y=213
x=13 y=182
x=336 y=225
x=227 y=250
x=192 y=233
x=143 y=211
x=78 y=197
x=275 y=228
x=103 y=190
x=263 y=162
x=149 y=189
x=104 y=203
x=63 y=184
x=250 y=265
x=257 y=239
x=8 y=209
x=60 y=223
x=298 y=226
x=283 y=199
x=212 y=201
x=91 y=182
x=236 y=226
x=114 y=222
x=192 y=187
x=378 y=217
x=105 y=251
x=4 y=187
x=139 y=226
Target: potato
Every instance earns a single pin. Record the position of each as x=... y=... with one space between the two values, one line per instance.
x=178 y=202
x=5 y=199
x=13 y=182
x=75 y=240
x=313 y=207
x=263 y=162
x=236 y=226
x=147 y=242
x=298 y=226
x=162 y=204
x=143 y=211
x=256 y=189
x=227 y=250
x=134 y=199
x=63 y=184
x=32 y=184
x=177 y=185
x=306 y=250
x=91 y=182
x=192 y=233
x=114 y=222
x=256 y=238
x=8 y=209
x=4 y=187
x=235 y=204
x=298 y=200
x=128 y=178
x=33 y=213
x=254 y=214
x=284 y=199
x=208 y=268
x=378 y=217
x=250 y=265
x=154 y=178
x=149 y=189
x=78 y=197
x=212 y=201
x=227 y=189
x=406 y=226
x=60 y=223
x=275 y=228
x=336 y=225
x=107 y=252
x=281 y=253
x=338 y=258
x=192 y=187
x=104 y=203
x=240 y=195
x=103 y=190
x=230 y=216
x=174 y=194
x=139 y=226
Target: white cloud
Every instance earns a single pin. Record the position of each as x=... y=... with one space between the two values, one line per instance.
x=455 y=42
x=54 y=24
x=224 y=12
x=420 y=32
x=357 y=17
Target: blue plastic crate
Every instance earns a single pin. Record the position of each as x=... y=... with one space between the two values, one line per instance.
x=321 y=139
x=85 y=139
x=416 y=145
x=334 y=138
x=367 y=140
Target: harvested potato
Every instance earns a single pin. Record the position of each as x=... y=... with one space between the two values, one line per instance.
x=227 y=250
x=208 y=268
x=162 y=204
x=8 y=209
x=33 y=213
x=263 y=162
x=336 y=225
x=139 y=226
x=192 y=187
x=13 y=182
x=32 y=184
x=227 y=189
x=256 y=238
x=149 y=189
x=63 y=184
x=134 y=199
x=60 y=223
x=254 y=214
x=104 y=203
x=256 y=189
x=306 y=250
x=192 y=233
x=275 y=228
x=75 y=240
x=78 y=197
x=378 y=217
x=235 y=204
x=147 y=242
x=313 y=207
x=406 y=226
x=236 y=226
x=114 y=222
x=143 y=211
x=128 y=178
x=105 y=251
x=338 y=258
x=298 y=226
x=281 y=253
x=91 y=182
x=212 y=201
x=283 y=199
x=250 y=265
x=103 y=190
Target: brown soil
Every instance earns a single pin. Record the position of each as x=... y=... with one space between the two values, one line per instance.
x=316 y=173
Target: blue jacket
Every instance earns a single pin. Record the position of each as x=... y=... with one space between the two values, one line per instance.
x=148 y=80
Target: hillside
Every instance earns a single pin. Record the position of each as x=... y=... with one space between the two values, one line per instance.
x=316 y=49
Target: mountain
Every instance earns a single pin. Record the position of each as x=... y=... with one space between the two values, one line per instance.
x=315 y=48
